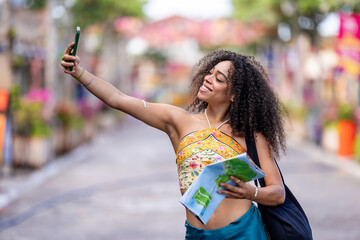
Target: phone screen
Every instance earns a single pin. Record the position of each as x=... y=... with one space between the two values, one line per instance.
x=77 y=36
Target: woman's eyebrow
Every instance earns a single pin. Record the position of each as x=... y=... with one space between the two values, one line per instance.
x=222 y=74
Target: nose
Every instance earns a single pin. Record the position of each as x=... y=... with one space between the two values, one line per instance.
x=208 y=78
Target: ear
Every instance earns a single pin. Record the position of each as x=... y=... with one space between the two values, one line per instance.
x=232 y=98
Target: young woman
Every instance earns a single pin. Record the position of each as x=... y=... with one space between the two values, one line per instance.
x=232 y=101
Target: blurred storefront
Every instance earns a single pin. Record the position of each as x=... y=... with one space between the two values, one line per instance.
x=320 y=85
x=42 y=112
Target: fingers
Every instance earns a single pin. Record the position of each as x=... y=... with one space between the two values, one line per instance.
x=77 y=61
x=69 y=58
x=67 y=64
x=69 y=48
x=233 y=188
x=230 y=194
x=68 y=71
x=231 y=191
x=238 y=181
x=240 y=194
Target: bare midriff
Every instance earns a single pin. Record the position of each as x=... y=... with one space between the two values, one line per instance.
x=228 y=211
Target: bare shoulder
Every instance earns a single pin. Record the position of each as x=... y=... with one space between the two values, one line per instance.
x=177 y=110
x=185 y=121
x=263 y=147
x=260 y=139
x=177 y=114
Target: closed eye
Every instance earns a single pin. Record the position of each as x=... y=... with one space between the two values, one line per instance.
x=217 y=74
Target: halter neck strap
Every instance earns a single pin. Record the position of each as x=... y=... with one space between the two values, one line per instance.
x=210 y=124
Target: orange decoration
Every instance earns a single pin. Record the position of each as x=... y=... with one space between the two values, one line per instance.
x=347 y=133
x=4 y=99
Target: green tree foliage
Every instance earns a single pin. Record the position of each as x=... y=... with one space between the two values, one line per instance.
x=300 y=15
x=261 y=10
x=36 y=4
x=272 y=12
x=88 y=12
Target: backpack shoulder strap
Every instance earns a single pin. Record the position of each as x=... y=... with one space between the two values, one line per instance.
x=252 y=152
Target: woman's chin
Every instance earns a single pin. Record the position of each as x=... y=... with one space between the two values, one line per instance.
x=202 y=97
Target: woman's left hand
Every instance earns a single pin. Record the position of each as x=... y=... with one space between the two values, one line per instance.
x=243 y=190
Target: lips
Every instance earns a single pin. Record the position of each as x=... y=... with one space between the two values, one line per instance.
x=203 y=88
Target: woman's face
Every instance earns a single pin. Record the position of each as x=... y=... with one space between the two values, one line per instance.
x=215 y=85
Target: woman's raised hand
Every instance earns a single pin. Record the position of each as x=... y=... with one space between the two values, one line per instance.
x=68 y=60
x=242 y=190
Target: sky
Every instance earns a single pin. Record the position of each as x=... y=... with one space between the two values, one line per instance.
x=195 y=9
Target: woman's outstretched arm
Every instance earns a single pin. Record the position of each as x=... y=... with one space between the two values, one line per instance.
x=160 y=116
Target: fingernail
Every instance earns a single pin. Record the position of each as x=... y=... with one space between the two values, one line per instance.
x=222 y=184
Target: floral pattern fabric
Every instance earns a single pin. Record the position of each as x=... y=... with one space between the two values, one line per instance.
x=201 y=148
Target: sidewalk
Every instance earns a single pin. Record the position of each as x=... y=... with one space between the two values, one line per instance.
x=346 y=165
x=13 y=187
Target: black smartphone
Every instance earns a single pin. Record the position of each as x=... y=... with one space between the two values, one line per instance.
x=77 y=36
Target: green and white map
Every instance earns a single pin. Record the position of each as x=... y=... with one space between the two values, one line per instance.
x=202 y=197
x=239 y=169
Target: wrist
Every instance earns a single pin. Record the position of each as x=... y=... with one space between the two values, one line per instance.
x=78 y=71
x=255 y=193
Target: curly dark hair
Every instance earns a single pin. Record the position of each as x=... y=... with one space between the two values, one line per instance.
x=255 y=109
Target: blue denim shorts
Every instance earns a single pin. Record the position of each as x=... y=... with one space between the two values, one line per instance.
x=247 y=227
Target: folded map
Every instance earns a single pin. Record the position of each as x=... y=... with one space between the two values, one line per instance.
x=202 y=197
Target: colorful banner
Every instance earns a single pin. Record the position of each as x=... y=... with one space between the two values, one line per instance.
x=348 y=45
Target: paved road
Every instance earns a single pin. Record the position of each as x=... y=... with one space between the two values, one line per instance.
x=123 y=185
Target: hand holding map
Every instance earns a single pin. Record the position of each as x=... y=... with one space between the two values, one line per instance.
x=202 y=197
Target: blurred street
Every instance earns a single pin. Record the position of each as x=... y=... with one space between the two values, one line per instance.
x=123 y=185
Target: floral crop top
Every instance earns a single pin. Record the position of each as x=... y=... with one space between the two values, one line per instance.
x=201 y=148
